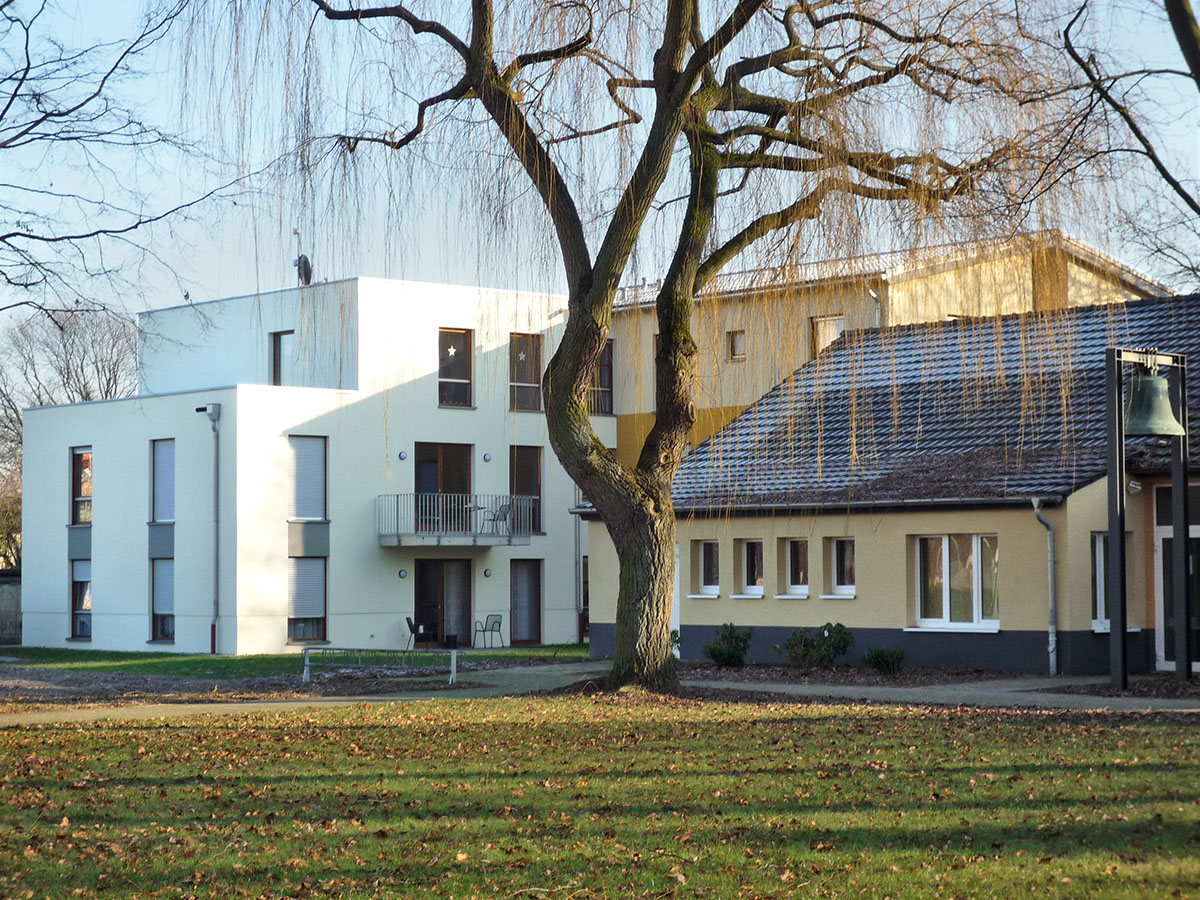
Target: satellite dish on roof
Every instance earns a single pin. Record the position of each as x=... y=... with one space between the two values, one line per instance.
x=303 y=269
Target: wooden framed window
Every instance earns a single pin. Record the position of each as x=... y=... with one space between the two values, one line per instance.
x=600 y=399
x=525 y=371
x=737 y=344
x=826 y=330
x=455 y=366
x=81 y=485
x=525 y=488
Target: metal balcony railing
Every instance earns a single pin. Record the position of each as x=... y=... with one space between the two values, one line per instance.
x=456 y=518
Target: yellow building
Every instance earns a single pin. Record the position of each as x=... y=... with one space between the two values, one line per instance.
x=753 y=329
x=895 y=484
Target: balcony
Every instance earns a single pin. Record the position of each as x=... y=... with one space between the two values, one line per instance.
x=456 y=520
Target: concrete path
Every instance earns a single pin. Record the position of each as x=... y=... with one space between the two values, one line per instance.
x=1036 y=692
x=1030 y=691
x=486 y=683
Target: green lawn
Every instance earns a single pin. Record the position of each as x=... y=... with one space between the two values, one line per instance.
x=614 y=796
x=206 y=666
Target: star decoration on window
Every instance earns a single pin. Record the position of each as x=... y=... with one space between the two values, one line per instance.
x=450 y=351
x=521 y=356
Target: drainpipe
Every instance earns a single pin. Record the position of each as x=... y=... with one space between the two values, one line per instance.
x=1052 y=629
x=213 y=410
x=578 y=568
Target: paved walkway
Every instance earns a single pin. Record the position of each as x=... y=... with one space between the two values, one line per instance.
x=1028 y=691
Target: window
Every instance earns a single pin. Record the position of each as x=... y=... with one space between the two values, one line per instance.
x=454 y=366
x=826 y=330
x=737 y=344
x=283 y=357
x=308 y=478
x=162 y=503
x=306 y=599
x=796 y=561
x=81 y=599
x=1100 y=621
x=705 y=559
x=957 y=579
x=600 y=399
x=752 y=568
x=81 y=485
x=842 y=582
x=525 y=371
x=162 y=599
x=525 y=487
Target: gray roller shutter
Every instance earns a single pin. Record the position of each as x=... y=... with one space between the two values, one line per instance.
x=308 y=477
x=163 y=572
x=164 y=481
x=306 y=588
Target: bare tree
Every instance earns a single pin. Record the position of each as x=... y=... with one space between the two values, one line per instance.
x=1166 y=227
x=66 y=110
x=713 y=127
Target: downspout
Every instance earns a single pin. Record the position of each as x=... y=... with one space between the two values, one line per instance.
x=1052 y=626
x=213 y=411
x=578 y=568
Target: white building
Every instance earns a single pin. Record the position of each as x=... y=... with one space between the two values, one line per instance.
x=313 y=464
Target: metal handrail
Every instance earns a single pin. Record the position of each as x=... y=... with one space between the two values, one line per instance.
x=457 y=514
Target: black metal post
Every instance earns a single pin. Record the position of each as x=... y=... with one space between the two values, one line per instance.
x=1115 y=589
x=1181 y=560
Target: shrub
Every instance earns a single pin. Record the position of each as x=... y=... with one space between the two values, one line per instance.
x=885 y=661
x=730 y=646
x=811 y=648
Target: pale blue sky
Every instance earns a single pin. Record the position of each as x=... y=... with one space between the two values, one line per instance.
x=236 y=249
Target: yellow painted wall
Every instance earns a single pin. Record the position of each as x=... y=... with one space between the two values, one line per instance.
x=884 y=549
x=988 y=288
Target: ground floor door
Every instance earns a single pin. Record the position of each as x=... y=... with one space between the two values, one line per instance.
x=525 y=603
x=1164 y=637
x=442 y=600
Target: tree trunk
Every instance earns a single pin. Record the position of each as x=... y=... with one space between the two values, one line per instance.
x=645 y=545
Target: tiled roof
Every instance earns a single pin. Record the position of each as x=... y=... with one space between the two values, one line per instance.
x=967 y=410
x=895 y=266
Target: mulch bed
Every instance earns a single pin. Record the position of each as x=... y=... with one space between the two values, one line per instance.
x=1159 y=686
x=849 y=675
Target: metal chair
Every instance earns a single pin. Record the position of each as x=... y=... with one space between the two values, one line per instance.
x=499 y=518
x=489 y=626
x=417 y=634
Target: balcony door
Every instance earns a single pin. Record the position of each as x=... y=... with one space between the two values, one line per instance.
x=442 y=601
x=443 y=487
x=526 y=601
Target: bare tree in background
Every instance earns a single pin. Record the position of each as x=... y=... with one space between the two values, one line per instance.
x=66 y=109
x=47 y=359
x=1167 y=224
x=715 y=128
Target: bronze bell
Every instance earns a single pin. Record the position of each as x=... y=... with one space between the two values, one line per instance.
x=1149 y=409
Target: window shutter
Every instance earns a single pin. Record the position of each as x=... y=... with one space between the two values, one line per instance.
x=308 y=477
x=164 y=587
x=164 y=481
x=81 y=570
x=306 y=588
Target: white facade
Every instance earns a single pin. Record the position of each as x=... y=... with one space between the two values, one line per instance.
x=364 y=376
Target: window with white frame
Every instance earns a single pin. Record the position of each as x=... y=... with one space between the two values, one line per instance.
x=306 y=598
x=163 y=481
x=307 y=500
x=1100 y=620
x=708 y=571
x=841 y=577
x=796 y=562
x=957 y=580
x=162 y=599
x=751 y=569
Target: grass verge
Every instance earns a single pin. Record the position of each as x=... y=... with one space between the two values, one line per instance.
x=264 y=666
x=609 y=796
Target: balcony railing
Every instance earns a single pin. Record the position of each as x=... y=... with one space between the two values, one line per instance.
x=456 y=519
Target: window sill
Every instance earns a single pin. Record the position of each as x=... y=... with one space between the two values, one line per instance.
x=79 y=640
x=972 y=628
x=304 y=642
x=745 y=596
x=170 y=643
x=715 y=596
x=161 y=522
x=514 y=409
x=849 y=596
x=311 y=521
x=455 y=406
x=791 y=596
x=1106 y=628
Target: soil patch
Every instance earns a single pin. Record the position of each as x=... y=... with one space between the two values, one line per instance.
x=848 y=675
x=1158 y=686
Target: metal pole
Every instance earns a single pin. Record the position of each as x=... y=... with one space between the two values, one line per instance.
x=1181 y=560
x=1115 y=589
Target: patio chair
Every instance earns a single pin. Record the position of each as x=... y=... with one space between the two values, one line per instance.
x=489 y=626
x=418 y=634
x=498 y=522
